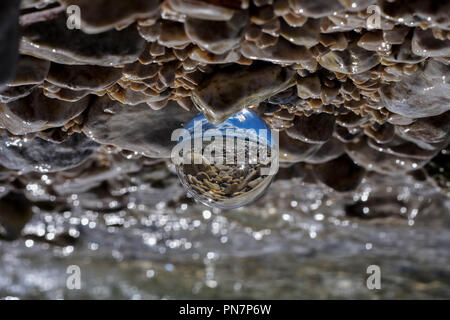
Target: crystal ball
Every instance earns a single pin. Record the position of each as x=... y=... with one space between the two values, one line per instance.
x=227 y=165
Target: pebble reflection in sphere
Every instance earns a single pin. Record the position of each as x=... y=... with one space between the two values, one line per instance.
x=229 y=165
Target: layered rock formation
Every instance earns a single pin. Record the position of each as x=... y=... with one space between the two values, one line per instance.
x=92 y=110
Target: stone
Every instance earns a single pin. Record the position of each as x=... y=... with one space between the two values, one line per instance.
x=135 y=128
x=65 y=46
x=225 y=93
x=113 y=12
x=317 y=128
x=217 y=37
x=9 y=37
x=420 y=95
x=79 y=77
x=30 y=71
x=36 y=112
x=341 y=174
x=27 y=154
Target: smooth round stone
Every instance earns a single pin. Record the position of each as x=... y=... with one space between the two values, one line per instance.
x=228 y=165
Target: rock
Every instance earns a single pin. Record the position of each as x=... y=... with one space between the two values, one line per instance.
x=293 y=150
x=217 y=37
x=16 y=212
x=426 y=45
x=315 y=9
x=37 y=112
x=202 y=10
x=94 y=78
x=307 y=35
x=309 y=87
x=403 y=54
x=10 y=94
x=27 y=154
x=66 y=46
x=330 y=150
x=231 y=89
x=357 y=5
x=429 y=133
x=341 y=174
x=402 y=148
x=30 y=71
x=9 y=37
x=381 y=134
x=113 y=12
x=283 y=52
x=352 y=60
x=422 y=94
x=381 y=162
x=317 y=128
x=346 y=135
x=173 y=34
x=135 y=128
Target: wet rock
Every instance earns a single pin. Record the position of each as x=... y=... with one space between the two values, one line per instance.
x=136 y=128
x=307 y=35
x=309 y=87
x=173 y=34
x=381 y=134
x=16 y=212
x=10 y=94
x=346 y=134
x=315 y=9
x=217 y=36
x=9 y=37
x=341 y=174
x=353 y=60
x=231 y=89
x=381 y=162
x=94 y=78
x=207 y=57
x=27 y=154
x=114 y=12
x=92 y=174
x=283 y=52
x=417 y=13
x=357 y=5
x=330 y=150
x=402 y=148
x=37 y=112
x=66 y=46
x=317 y=128
x=30 y=71
x=374 y=41
x=403 y=54
x=293 y=150
x=426 y=45
x=396 y=35
x=422 y=94
x=202 y=10
x=429 y=133
x=67 y=94
x=285 y=97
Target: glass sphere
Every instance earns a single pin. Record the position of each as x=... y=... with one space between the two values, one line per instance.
x=228 y=165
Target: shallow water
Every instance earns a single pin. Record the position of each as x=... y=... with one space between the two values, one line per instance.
x=295 y=243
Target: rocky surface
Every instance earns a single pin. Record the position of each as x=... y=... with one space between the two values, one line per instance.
x=86 y=116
